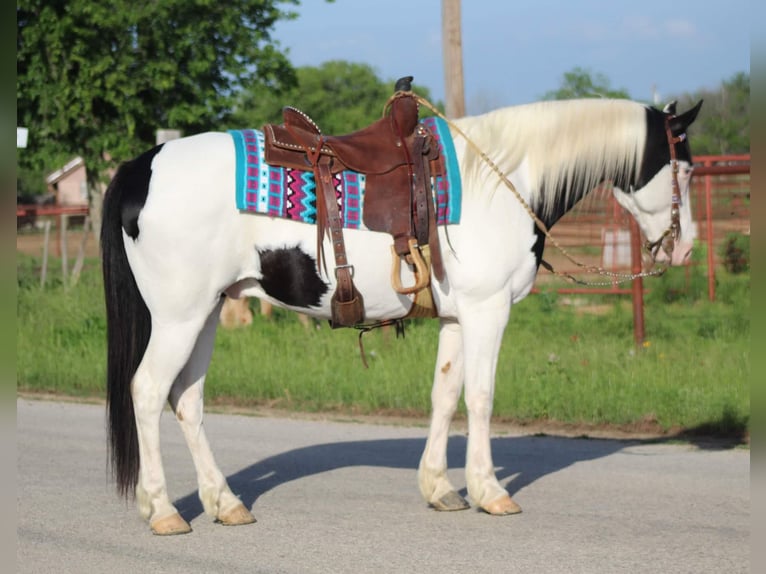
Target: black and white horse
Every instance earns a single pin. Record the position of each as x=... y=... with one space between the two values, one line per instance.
x=174 y=243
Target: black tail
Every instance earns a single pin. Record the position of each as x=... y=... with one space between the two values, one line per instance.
x=127 y=316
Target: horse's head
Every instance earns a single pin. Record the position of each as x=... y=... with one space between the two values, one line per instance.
x=659 y=199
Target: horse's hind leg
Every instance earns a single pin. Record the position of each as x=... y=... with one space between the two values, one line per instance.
x=187 y=401
x=448 y=382
x=169 y=348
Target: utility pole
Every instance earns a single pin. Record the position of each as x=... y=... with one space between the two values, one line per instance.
x=452 y=46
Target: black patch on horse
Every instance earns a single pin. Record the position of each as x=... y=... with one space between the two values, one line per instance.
x=560 y=207
x=657 y=147
x=656 y=150
x=290 y=276
x=133 y=178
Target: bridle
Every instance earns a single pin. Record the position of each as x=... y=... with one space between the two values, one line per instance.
x=673 y=233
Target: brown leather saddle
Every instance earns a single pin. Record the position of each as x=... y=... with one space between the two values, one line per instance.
x=398 y=156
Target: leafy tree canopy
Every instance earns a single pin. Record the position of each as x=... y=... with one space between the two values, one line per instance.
x=723 y=126
x=582 y=83
x=339 y=96
x=97 y=79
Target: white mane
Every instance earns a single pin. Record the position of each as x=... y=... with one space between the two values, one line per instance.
x=579 y=143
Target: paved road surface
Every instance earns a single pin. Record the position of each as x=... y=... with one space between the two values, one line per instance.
x=343 y=498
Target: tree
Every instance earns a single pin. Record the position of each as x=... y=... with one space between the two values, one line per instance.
x=581 y=83
x=339 y=96
x=97 y=79
x=724 y=124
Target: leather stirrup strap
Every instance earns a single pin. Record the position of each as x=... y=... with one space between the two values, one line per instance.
x=334 y=224
x=421 y=182
x=423 y=198
x=347 y=305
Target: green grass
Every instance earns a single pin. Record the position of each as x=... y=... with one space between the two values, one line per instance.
x=557 y=363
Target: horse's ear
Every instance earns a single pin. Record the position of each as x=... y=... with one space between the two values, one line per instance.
x=679 y=123
x=670 y=108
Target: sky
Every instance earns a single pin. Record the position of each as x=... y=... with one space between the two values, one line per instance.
x=515 y=51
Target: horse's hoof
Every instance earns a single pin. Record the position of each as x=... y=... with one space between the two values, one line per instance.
x=502 y=506
x=170 y=525
x=450 y=501
x=236 y=516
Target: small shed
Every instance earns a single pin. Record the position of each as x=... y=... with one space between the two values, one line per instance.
x=69 y=183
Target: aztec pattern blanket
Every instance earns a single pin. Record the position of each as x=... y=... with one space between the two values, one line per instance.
x=291 y=193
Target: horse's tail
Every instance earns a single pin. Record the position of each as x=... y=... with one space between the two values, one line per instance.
x=128 y=320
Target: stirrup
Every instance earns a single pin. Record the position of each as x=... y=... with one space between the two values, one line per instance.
x=422 y=273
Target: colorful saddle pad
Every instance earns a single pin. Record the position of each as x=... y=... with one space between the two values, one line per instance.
x=291 y=193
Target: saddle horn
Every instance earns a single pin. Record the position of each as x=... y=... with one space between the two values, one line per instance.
x=404 y=84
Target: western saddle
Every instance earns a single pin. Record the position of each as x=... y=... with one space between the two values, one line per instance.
x=398 y=157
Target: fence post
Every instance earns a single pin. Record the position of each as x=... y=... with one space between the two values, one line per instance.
x=709 y=231
x=63 y=225
x=44 y=270
x=80 y=261
x=637 y=285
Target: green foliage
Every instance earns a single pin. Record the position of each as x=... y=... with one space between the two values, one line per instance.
x=97 y=79
x=60 y=342
x=735 y=253
x=583 y=83
x=557 y=363
x=586 y=369
x=723 y=127
x=339 y=96
x=686 y=283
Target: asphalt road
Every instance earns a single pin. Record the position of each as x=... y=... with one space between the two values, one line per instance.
x=342 y=497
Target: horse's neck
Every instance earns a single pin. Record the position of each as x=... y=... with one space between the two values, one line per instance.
x=565 y=149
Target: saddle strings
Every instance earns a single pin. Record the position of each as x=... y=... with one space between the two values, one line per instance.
x=616 y=277
x=366 y=328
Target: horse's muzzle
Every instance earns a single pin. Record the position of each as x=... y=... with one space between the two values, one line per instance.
x=680 y=253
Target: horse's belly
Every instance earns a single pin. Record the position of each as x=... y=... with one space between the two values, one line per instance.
x=289 y=273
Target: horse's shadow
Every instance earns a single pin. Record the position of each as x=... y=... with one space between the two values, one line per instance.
x=525 y=459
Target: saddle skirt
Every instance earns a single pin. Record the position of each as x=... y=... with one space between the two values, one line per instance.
x=291 y=193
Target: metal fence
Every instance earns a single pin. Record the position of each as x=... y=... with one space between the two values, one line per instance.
x=598 y=232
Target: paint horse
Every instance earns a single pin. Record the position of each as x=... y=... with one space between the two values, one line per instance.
x=174 y=244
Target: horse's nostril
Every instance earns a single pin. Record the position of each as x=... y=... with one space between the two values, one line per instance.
x=681 y=255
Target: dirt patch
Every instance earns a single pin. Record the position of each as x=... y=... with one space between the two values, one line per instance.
x=583 y=306
x=32 y=242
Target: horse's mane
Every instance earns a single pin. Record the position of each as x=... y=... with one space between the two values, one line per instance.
x=569 y=146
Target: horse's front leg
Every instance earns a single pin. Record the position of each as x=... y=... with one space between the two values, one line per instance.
x=483 y=325
x=448 y=382
x=187 y=401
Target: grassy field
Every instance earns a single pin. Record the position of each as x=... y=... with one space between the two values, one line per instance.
x=559 y=363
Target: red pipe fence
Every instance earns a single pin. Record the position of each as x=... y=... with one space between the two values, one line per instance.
x=600 y=233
